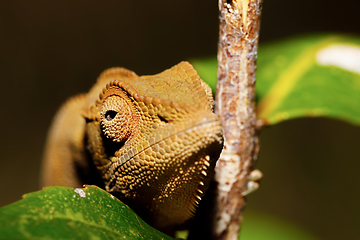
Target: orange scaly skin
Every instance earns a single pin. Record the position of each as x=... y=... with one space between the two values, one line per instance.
x=154 y=141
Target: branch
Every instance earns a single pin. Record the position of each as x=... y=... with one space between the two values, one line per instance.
x=235 y=105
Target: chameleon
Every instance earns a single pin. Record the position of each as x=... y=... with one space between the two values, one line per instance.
x=152 y=141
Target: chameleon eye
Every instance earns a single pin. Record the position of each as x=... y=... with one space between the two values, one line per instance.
x=110 y=115
x=116 y=118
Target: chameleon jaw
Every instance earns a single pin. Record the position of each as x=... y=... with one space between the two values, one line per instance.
x=179 y=180
x=154 y=155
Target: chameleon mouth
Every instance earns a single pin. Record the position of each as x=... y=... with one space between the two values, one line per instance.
x=137 y=167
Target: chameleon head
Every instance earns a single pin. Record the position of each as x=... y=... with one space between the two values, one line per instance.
x=155 y=141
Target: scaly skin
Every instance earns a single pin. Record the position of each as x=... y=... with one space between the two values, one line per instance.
x=153 y=139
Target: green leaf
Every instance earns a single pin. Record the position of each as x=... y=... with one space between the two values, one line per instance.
x=68 y=213
x=312 y=76
x=262 y=226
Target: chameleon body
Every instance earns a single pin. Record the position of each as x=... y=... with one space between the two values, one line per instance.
x=152 y=141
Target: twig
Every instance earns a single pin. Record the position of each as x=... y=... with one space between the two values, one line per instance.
x=235 y=105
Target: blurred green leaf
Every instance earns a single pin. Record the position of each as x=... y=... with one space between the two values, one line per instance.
x=63 y=213
x=258 y=226
x=310 y=76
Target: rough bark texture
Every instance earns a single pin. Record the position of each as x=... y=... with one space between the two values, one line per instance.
x=235 y=105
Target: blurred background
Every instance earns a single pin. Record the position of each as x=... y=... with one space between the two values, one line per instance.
x=51 y=50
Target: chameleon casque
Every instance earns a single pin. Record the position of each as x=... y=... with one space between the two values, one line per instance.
x=152 y=141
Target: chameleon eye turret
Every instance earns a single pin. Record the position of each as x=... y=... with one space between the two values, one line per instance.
x=116 y=118
x=153 y=141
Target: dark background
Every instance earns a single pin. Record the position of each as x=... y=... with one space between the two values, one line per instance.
x=51 y=50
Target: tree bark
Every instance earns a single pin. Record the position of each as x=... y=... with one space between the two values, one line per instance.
x=235 y=105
